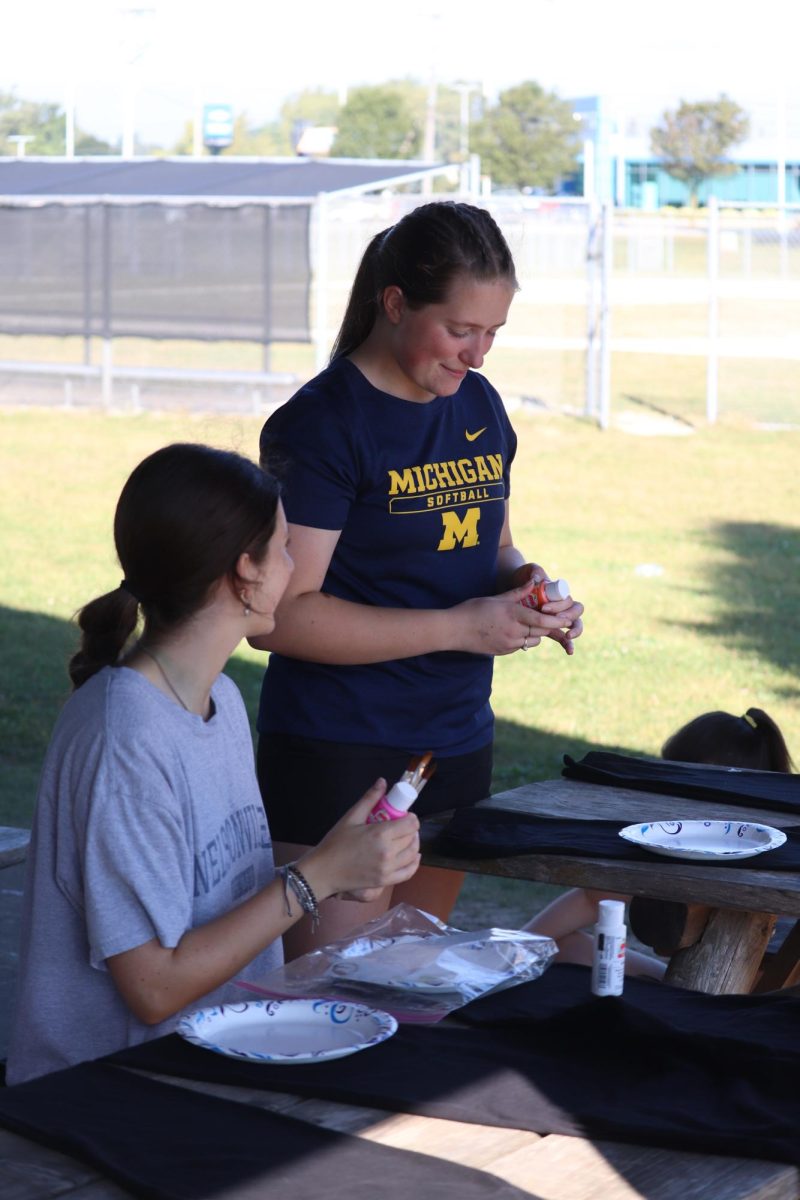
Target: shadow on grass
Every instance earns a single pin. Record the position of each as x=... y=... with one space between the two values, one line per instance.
x=758 y=594
x=757 y=589
x=35 y=650
x=524 y=754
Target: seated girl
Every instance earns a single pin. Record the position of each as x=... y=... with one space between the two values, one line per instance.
x=150 y=885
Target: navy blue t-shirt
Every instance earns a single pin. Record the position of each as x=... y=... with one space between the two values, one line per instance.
x=418 y=492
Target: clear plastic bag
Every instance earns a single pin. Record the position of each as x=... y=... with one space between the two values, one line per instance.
x=409 y=964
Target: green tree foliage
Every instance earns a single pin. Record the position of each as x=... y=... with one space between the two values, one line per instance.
x=45 y=124
x=256 y=141
x=87 y=143
x=693 y=140
x=377 y=122
x=528 y=139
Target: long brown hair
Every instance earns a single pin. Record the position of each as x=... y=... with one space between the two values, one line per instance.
x=422 y=255
x=185 y=515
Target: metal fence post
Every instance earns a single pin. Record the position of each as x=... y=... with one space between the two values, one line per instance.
x=107 y=360
x=606 y=266
x=592 y=255
x=266 y=277
x=712 y=361
x=87 y=284
x=320 y=275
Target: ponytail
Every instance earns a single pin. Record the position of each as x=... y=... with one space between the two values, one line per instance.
x=106 y=625
x=751 y=742
x=773 y=750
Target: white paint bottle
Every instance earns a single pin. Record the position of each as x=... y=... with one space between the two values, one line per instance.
x=608 y=961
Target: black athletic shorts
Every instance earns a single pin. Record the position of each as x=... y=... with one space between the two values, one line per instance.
x=307 y=784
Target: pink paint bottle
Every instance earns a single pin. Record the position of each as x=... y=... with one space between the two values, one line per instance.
x=546 y=592
x=399 y=799
x=394 y=804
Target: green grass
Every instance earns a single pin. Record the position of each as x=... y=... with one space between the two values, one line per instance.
x=715 y=512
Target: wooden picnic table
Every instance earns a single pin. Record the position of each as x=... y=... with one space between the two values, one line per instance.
x=550 y=1167
x=743 y=901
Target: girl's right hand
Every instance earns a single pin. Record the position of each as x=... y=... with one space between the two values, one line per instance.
x=357 y=857
x=501 y=624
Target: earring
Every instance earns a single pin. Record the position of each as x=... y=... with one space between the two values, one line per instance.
x=245 y=603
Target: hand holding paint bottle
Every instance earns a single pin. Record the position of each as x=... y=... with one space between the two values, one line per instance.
x=402 y=795
x=546 y=592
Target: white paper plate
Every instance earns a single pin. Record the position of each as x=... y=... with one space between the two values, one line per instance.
x=704 y=840
x=287 y=1031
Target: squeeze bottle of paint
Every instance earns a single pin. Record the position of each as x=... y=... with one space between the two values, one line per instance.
x=546 y=591
x=394 y=804
x=608 y=961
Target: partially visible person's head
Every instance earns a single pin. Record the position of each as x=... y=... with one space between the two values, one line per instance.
x=424 y=255
x=184 y=518
x=752 y=742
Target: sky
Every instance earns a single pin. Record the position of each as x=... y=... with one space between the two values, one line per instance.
x=180 y=53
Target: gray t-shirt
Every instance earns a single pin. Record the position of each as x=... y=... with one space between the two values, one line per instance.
x=148 y=823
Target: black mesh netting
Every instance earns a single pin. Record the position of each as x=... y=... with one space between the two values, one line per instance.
x=155 y=270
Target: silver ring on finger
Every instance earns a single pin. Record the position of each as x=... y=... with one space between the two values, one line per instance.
x=525 y=643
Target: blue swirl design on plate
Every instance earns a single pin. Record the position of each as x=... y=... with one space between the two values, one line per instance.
x=673 y=828
x=339 y=1013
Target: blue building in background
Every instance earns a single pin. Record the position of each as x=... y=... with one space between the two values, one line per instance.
x=617 y=163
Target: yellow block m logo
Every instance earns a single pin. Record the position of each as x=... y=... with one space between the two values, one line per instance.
x=456 y=530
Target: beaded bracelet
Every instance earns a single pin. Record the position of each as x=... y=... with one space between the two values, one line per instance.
x=294 y=878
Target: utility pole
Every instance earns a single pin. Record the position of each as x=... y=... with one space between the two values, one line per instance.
x=464 y=91
x=429 y=140
x=135 y=43
x=69 y=120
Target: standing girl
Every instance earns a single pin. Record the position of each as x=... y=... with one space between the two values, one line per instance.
x=407 y=582
x=150 y=883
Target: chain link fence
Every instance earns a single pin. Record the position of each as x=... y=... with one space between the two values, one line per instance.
x=624 y=317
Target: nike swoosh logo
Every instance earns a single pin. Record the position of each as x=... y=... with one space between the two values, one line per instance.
x=471 y=436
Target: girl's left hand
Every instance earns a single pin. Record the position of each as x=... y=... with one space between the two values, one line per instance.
x=571 y=610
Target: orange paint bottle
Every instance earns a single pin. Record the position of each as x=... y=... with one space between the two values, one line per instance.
x=546 y=592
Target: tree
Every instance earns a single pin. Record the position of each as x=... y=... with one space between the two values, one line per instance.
x=45 y=124
x=377 y=122
x=693 y=140
x=528 y=139
x=87 y=143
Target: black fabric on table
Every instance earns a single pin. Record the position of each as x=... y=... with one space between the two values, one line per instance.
x=765 y=789
x=659 y=1066
x=492 y=833
x=169 y=1143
